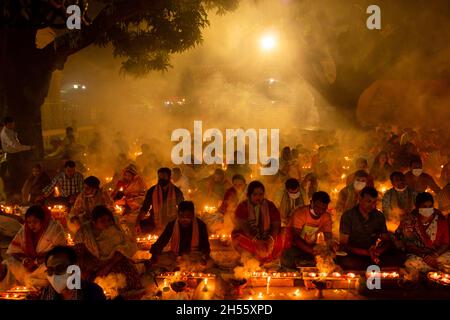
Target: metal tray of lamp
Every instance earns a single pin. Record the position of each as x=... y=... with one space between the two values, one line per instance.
x=276 y=279
x=388 y=279
x=439 y=280
x=333 y=280
x=19 y=293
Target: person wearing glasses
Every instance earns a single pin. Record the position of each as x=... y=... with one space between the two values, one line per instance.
x=57 y=262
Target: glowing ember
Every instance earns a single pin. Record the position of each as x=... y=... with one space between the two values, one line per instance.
x=220 y=236
x=118 y=209
x=297 y=293
x=260 y=295
x=69 y=239
x=57 y=193
x=336 y=274
x=440 y=277
x=210 y=209
x=148 y=239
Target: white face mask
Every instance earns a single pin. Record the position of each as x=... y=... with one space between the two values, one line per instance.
x=58 y=281
x=417 y=172
x=359 y=185
x=294 y=196
x=426 y=212
x=400 y=190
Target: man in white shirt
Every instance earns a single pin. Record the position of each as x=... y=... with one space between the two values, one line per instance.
x=13 y=150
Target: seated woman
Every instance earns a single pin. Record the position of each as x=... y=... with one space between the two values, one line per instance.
x=86 y=201
x=189 y=242
x=103 y=248
x=258 y=226
x=424 y=236
x=130 y=190
x=25 y=265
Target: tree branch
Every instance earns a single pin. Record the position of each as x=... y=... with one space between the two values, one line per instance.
x=73 y=41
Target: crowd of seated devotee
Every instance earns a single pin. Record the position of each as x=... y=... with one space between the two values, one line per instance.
x=385 y=203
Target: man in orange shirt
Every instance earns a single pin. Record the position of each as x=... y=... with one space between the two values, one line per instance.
x=306 y=223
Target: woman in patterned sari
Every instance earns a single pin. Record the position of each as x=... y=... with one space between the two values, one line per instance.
x=103 y=248
x=424 y=235
x=27 y=250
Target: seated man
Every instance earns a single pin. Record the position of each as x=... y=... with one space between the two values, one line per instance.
x=234 y=195
x=162 y=200
x=57 y=262
x=188 y=239
x=418 y=180
x=306 y=223
x=103 y=248
x=130 y=189
x=399 y=200
x=69 y=182
x=360 y=164
x=348 y=196
x=213 y=187
x=424 y=236
x=33 y=186
x=258 y=225
x=290 y=198
x=364 y=236
x=87 y=200
x=25 y=265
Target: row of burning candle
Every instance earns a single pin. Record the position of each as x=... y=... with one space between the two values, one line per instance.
x=151 y=238
x=260 y=296
x=10 y=210
x=310 y=275
x=16 y=293
x=187 y=275
x=440 y=277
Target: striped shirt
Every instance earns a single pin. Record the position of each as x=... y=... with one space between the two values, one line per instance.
x=68 y=186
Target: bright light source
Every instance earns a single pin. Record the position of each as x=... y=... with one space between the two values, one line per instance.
x=268 y=42
x=83 y=87
x=271 y=80
x=75 y=86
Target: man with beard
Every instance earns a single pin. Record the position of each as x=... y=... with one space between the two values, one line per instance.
x=162 y=200
x=187 y=237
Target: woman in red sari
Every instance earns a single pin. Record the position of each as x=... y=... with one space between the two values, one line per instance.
x=424 y=235
x=27 y=250
x=258 y=225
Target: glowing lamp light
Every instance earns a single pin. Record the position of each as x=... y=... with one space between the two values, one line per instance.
x=268 y=42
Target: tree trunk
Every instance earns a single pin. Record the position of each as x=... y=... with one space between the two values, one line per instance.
x=27 y=78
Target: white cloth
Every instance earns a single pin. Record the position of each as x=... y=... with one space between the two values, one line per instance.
x=16 y=273
x=10 y=142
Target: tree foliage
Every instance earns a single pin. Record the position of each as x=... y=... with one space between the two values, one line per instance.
x=144 y=33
